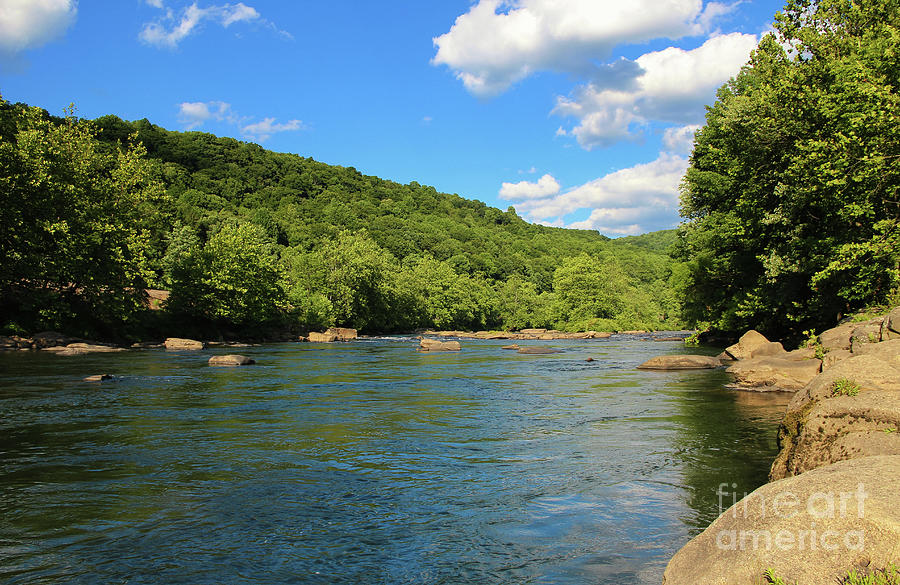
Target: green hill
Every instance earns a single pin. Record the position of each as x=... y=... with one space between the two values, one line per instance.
x=249 y=238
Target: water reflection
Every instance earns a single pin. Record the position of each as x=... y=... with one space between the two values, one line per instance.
x=366 y=462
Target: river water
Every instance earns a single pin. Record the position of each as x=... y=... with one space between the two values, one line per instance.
x=367 y=462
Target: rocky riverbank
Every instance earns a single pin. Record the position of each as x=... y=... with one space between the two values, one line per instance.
x=832 y=502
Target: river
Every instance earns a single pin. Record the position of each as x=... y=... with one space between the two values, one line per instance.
x=367 y=462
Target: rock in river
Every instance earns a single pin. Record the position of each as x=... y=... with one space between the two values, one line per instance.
x=680 y=362
x=230 y=360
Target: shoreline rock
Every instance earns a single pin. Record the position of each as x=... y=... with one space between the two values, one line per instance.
x=848 y=509
x=681 y=362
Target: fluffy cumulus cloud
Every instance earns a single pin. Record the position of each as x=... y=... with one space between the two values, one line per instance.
x=525 y=190
x=262 y=131
x=499 y=42
x=27 y=24
x=195 y=114
x=673 y=86
x=680 y=139
x=632 y=200
x=175 y=27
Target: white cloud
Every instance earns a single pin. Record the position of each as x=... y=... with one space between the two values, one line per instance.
x=680 y=139
x=630 y=200
x=155 y=3
x=194 y=114
x=262 y=131
x=27 y=24
x=499 y=42
x=524 y=190
x=171 y=30
x=673 y=86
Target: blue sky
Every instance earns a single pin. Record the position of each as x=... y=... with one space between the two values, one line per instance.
x=578 y=113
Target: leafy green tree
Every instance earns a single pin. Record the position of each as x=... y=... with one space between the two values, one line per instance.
x=234 y=279
x=80 y=222
x=792 y=198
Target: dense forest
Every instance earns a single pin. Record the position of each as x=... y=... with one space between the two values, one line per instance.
x=251 y=242
x=792 y=198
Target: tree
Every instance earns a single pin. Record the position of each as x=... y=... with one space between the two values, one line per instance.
x=233 y=279
x=792 y=197
x=81 y=224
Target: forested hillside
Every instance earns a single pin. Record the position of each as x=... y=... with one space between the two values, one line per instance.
x=252 y=240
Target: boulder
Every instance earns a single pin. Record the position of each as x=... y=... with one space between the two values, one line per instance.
x=342 y=333
x=834 y=356
x=177 y=343
x=601 y=334
x=748 y=342
x=680 y=362
x=888 y=351
x=865 y=333
x=8 y=343
x=804 y=353
x=672 y=338
x=820 y=428
x=891 y=327
x=50 y=339
x=316 y=337
x=435 y=345
x=230 y=360
x=770 y=349
x=513 y=346
x=837 y=337
x=813 y=528
x=774 y=373
x=538 y=350
x=532 y=331
x=99 y=378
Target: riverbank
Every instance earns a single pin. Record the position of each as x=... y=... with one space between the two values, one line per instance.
x=831 y=504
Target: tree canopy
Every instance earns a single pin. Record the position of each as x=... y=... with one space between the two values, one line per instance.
x=247 y=240
x=791 y=198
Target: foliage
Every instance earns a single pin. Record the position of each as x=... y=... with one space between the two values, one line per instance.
x=244 y=237
x=82 y=224
x=844 y=387
x=232 y=279
x=887 y=576
x=792 y=197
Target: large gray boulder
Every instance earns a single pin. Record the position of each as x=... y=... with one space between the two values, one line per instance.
x=681 y=362
x=774 y=373
x=821 y=427
x=809 y=529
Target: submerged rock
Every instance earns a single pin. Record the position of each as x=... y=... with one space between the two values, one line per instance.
x=538 y=350
x=813 y=528
x=680 y=362
x=230 y=360
x=99 y=378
